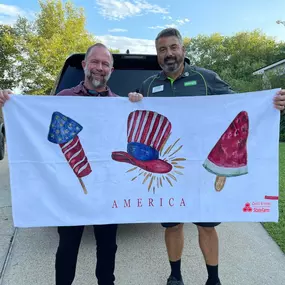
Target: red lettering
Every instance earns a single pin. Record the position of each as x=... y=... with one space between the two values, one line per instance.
x=182 y=203
x=139 y=202
x=127 y=203
x=150 y=202
x=115 y=204
x=161 y=202
x=261 y=210
x=171 y=205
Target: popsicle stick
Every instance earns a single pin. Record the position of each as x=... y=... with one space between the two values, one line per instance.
x=83 y=185
x=219 y=183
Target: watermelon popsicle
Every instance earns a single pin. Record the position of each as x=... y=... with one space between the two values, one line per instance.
x=228 y=158
x=64 y=132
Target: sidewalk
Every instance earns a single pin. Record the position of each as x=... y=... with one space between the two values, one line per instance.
x=248 y=254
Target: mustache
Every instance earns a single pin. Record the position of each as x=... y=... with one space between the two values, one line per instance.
x=170 y=58
x=91 y=73
x=97 y=74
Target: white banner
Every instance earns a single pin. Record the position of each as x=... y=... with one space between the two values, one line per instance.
x=81 y=161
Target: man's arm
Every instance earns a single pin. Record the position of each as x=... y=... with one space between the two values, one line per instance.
x=218 y=86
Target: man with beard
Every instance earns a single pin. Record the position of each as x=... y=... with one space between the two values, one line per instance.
x=98 y=66
x=178 y=78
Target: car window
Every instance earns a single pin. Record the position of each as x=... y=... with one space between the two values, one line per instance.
x=124 y=81
x=128 y=75
x=121 y=82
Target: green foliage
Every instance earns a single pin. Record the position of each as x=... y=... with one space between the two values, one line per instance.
x=45 y=43
x=277 y=230
x=235 y=58
x=8 y=57
x=282 y=137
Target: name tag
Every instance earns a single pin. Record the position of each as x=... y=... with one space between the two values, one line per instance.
x=157 y=89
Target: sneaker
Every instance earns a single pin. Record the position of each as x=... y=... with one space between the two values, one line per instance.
x=173 y=281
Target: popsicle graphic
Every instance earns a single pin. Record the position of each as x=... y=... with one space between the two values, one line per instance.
x=64 y=132
x=228 y=158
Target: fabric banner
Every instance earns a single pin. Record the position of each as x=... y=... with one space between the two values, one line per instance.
x=88 y=160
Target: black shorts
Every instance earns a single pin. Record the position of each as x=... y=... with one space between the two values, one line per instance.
x=205 y=225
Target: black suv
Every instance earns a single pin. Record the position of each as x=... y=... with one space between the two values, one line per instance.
x=130 y=70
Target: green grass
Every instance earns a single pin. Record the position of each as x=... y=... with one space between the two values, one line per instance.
x=277 y=230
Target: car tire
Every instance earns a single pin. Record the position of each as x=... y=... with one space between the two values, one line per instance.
x=2 y=146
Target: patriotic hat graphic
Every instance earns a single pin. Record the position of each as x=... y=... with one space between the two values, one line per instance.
x=147 y=133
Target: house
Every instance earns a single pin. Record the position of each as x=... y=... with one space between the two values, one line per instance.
x=277 y=68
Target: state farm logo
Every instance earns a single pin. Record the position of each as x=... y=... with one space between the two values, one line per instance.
x=257 y=207
x=247 y=208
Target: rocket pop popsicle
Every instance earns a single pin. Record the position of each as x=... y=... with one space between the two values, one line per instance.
x=64 y=132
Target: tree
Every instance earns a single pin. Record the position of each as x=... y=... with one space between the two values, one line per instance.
x=235 y=58
x=45 y=43
x=8 y=57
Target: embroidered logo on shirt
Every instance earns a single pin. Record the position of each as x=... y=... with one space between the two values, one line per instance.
x=190 y=83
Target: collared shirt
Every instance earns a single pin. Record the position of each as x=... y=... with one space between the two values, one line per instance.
x=80 y=90
x=194 y=81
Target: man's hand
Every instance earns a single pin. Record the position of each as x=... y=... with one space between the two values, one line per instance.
x=135 y=97
x=4 y=96
x=279 y=100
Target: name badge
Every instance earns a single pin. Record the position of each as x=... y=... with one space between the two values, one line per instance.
x=157 y=89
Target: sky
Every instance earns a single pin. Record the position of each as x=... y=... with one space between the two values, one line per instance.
x=134 y=24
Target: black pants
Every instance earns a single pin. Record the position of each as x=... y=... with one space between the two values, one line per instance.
x=66 y=256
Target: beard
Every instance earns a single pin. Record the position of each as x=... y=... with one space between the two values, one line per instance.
x=96 y=83
x=171 y=64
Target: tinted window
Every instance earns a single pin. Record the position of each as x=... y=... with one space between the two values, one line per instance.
x=121 y=82
x=71 y=77
x=129 y=73
x=124 y=81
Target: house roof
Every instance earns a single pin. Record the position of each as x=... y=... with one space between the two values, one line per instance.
x=261 y=70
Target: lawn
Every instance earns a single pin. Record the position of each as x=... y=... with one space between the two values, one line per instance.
x=277 y=230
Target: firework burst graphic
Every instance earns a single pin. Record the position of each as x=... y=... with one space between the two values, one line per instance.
x=155 y=180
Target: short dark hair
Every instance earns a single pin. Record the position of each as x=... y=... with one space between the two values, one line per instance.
x=98 y=45
x=169 y=32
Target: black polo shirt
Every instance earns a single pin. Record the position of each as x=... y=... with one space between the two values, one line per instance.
x=194 y=81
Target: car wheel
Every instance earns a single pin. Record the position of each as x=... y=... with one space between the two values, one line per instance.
x=2 y=146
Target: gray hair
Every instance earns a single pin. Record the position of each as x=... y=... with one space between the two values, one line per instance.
x=98 y=45
x=169 y=32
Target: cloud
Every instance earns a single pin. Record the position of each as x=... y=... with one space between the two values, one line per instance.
x=182 y=21
x=117 y=30
x=10 y=13
x=163 y=27
x=167 y=18
x=176 y=24
x=10 y=10
x=135 y=45
x=118 y=10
